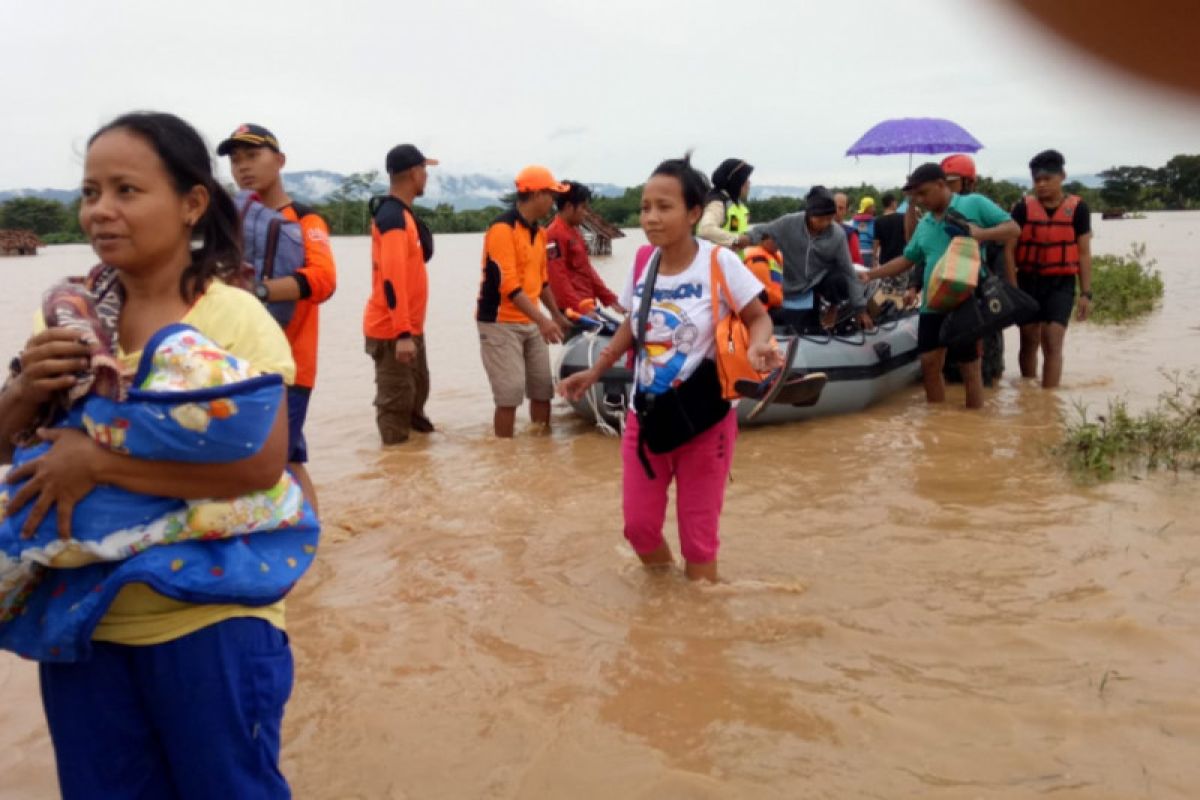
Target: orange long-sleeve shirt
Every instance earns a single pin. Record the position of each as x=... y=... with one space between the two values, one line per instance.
x=514 y=262
x=399 y=279
x=319 y=274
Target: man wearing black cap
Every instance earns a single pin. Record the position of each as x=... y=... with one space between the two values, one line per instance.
x=257 y=164
x=725 y=214
x=985 y=222
x=394 y=319
x=816 y=262
x=1052 y=253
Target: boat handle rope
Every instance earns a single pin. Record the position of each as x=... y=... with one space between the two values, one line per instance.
x=605 y=428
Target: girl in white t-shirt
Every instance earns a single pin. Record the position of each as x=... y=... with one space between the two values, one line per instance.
x=674 y=369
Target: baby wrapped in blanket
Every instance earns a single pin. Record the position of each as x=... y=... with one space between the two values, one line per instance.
x=189 y=401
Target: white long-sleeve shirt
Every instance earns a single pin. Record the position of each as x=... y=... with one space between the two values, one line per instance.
x=712 y=225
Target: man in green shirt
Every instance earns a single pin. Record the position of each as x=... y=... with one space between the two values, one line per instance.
x=947 y=216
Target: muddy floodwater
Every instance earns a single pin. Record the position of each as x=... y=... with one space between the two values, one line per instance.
x=919 y=602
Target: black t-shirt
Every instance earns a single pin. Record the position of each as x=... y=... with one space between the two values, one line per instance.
x=1082 y=220
x=889 y=232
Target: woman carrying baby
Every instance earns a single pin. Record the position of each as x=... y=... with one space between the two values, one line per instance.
x=171 y=698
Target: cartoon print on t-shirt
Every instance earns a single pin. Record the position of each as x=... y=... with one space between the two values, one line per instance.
x=670 y=337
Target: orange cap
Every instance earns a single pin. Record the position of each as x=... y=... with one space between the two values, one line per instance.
x=538 y=179
x=959 y=164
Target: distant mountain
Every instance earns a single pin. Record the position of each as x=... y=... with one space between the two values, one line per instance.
x=315 y=186
x=311 y=187
x=607 y=189
x=61 y=195
x=463 y=192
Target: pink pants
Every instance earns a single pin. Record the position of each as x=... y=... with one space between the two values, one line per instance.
x=700 y=469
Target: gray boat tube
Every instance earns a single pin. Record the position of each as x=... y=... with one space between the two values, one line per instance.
x=862 y=367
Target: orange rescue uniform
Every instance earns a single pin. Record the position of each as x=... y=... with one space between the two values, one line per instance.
x=399 y=280
x=318 y=281
x=514 y=262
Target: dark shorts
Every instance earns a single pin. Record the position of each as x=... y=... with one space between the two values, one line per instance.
x=1055 y=295
x=193 y=718
x=929 y=329
x=799 y=320
x=297 y=399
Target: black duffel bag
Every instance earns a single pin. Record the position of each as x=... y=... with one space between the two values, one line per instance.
x=994 y=306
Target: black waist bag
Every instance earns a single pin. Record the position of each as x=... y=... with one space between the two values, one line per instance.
x=671 y=419
x=995 y=306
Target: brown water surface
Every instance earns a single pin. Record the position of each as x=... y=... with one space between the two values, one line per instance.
x=919 y=602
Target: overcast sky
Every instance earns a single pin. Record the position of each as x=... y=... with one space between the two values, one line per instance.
x=597 y=91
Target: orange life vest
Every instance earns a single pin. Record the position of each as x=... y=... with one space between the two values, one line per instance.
x=768 y=269
x=1048 y=245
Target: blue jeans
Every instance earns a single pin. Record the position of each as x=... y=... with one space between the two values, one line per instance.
x=297 y=399
x=197 y=717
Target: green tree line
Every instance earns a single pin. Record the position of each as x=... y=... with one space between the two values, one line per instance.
x=52 y=221
x=1174 y=186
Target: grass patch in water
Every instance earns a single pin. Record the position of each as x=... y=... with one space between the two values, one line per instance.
x=1164 y=437
x=1124 y=287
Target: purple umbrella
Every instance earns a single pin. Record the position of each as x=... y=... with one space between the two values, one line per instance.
x=914 y=135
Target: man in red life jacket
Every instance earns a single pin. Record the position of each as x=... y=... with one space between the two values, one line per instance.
x=1053 y=252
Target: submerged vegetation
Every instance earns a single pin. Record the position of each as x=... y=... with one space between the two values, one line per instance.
x=1124 y=287
x=1164 y=437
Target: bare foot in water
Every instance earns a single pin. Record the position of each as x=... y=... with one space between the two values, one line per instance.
x=658 y=561
x=707 y=572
